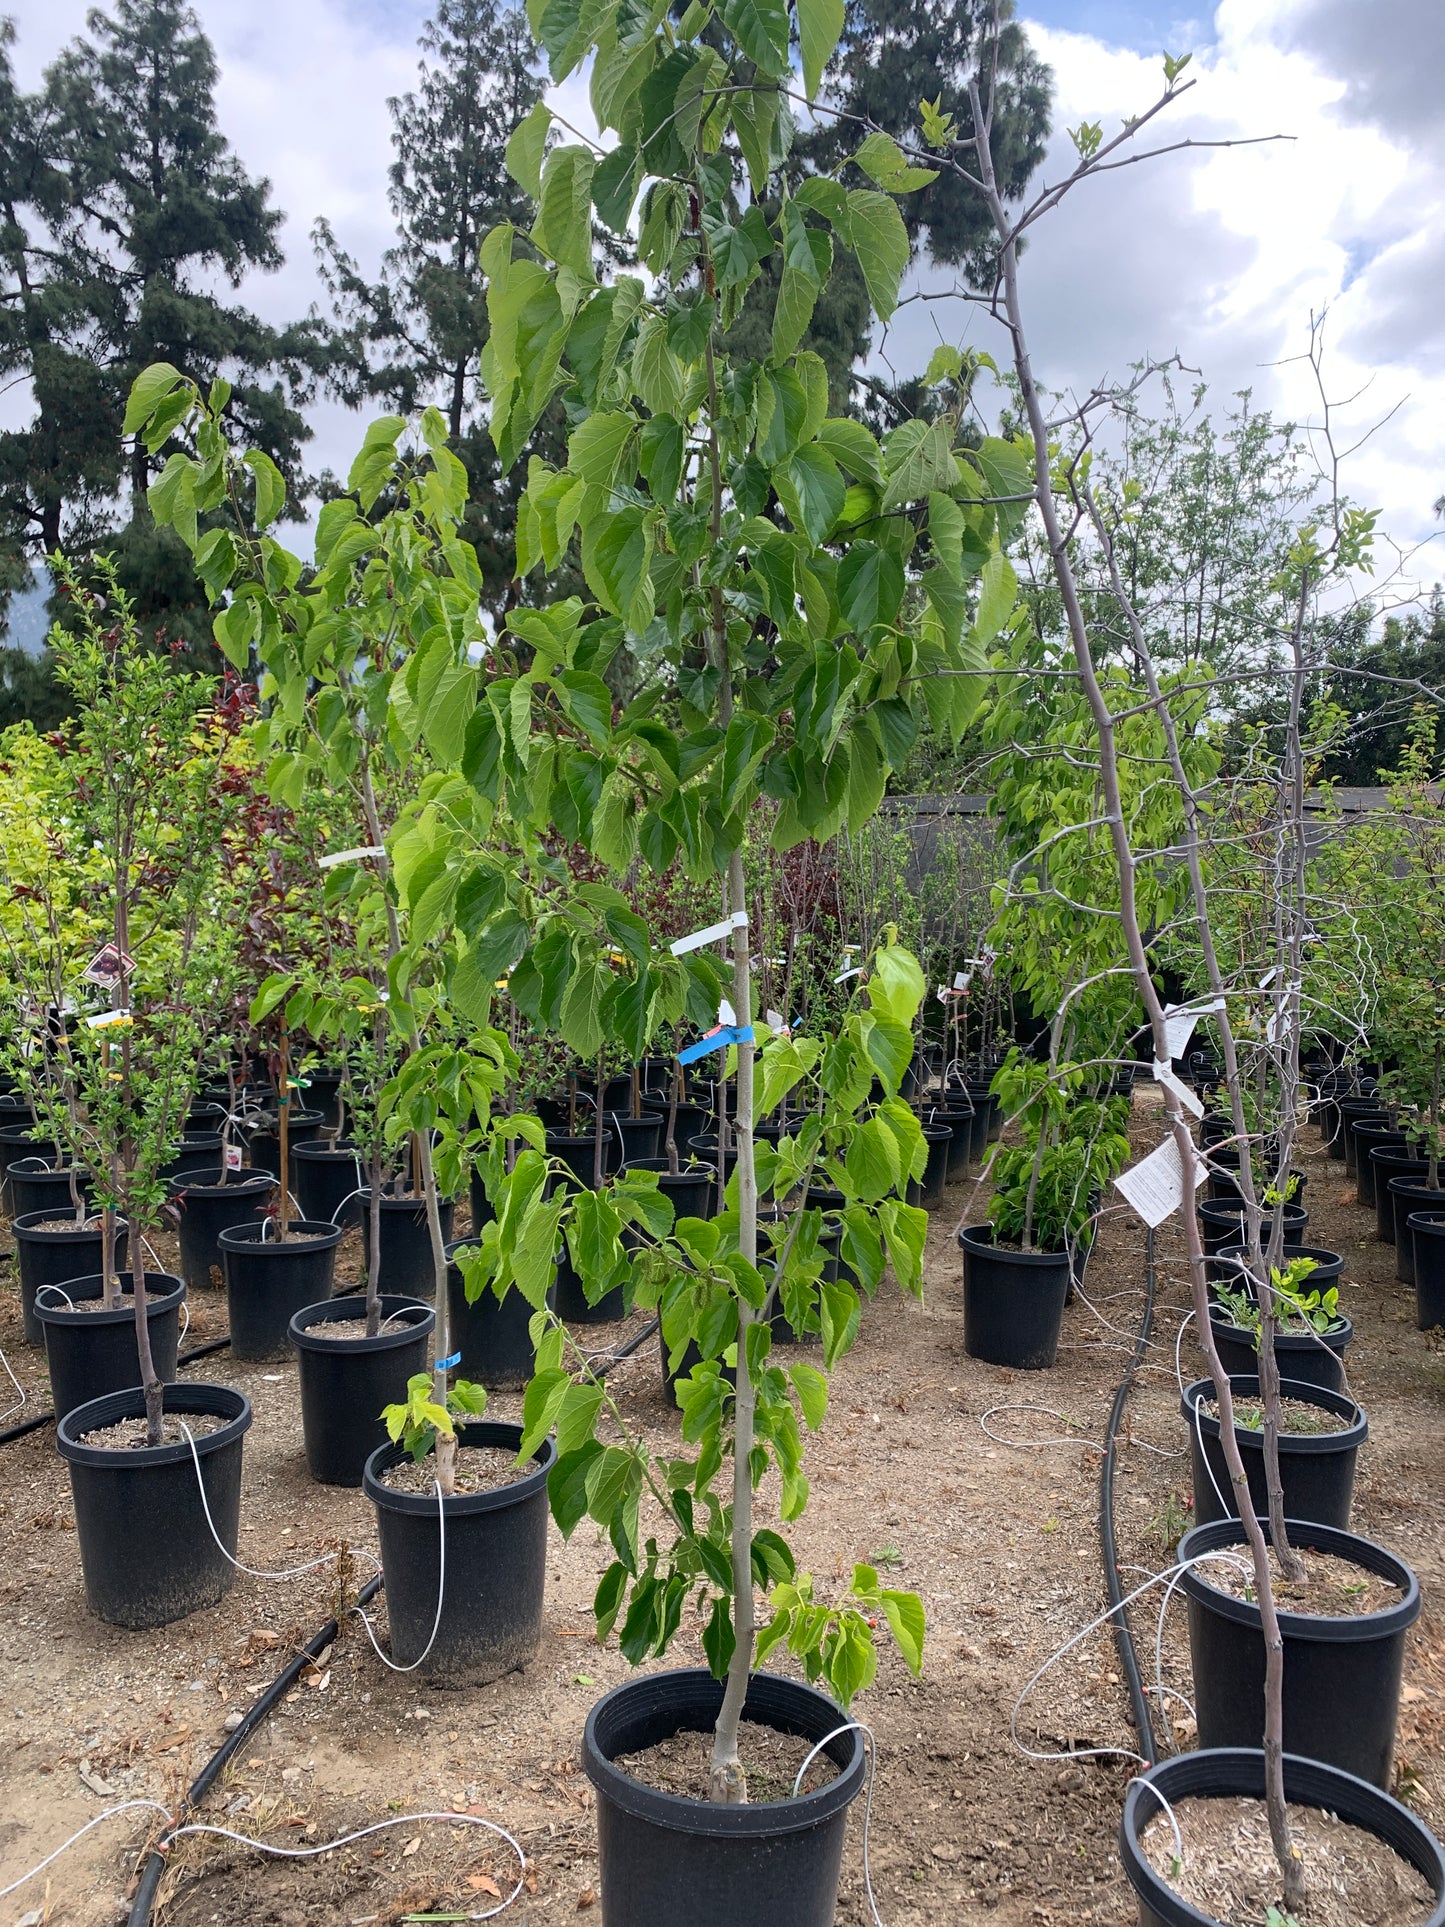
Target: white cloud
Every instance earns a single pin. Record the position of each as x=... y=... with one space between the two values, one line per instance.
x=1219 y=255
x=1222 y=255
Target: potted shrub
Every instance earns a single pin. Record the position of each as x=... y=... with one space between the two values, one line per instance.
x=1018 y=1267
x=143 y=769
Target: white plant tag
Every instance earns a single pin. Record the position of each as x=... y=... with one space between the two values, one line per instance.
x=233 y=1157
x=1164 y=1074
x=110 y=1020
x=714 y=933
x=727 y=1015
x=844 y=975
x=962 y=979
x=1155 y=1186
x=350 y=856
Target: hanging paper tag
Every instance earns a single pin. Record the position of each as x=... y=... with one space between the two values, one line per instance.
x=962 y=979
x=350 y=856
x=777 y=1025
x=714 y=933
x=1155 y=1186
x=1164 y=1074
x=233 y=1157
x=107 y=967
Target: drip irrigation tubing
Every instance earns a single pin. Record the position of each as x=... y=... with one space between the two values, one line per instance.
x=155 y=1861
x=1123 y=1639
x=47 y=1417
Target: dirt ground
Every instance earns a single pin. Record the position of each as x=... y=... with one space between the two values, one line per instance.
x=915 y=1468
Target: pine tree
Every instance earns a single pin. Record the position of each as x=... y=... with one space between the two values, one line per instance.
x=416 y=334
x=156 y=207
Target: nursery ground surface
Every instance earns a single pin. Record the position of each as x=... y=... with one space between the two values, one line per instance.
x=914 y=1470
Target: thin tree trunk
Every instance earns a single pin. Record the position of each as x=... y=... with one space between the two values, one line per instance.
x=1291 y=1867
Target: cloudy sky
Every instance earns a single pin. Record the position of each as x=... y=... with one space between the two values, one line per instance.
x=1220 y=256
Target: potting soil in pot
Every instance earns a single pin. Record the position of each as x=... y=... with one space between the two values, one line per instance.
x=1352 y=1878
x=1331 y=1586
x=130 y=1434
x=1297 y=1416
x=770 y=1762
x=480 y=1468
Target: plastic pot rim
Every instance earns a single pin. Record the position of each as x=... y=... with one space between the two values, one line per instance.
x=1326 y=1628
x=461 y=1505
x=306 y=1325
x=688 y=1813
x=27 y=1229
x=1342 y=1329
x=313 y=1152
x=1247 y=1386
x=1431 y=1222
x=182 y=1397
x=1235 y=1772
x=247 y=1182
x=157 y=1302
x=247 y=1237
x=980 y=1237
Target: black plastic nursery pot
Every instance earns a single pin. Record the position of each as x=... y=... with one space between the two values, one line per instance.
x=929 y=1188
x=495 y=1561
x=145 y=1546
x=960 y=1124
x=1013 y=1301
x=1305 y=1358
x=493 y=1337
x=630 y=1138
x=1329 y=1268
x=53 y=1257
x=1317 y=1469
x=406 y=1268
x=1355 y=1110
x=326 y=1180
x=705 y=1148
x=569 y=1300
x=1228 y=1773
x=692 y=1191
x=323 y=1093
x=667 y=1858
x=263 y=1148
x=578 y=1151
x=346 y=1383
x=19 y=1141
x=1408 y=1196
x=207 y=1208
x=1222 y=1226
x=692 y=1120
x=1341 y=1672
x=1427 y=1235
x=92 y=1353
x=36 y=1186
x=196 y=1151
x=1224 y=1186
x=268 y=1281
x=1372 y=1136
x=1391 y=1161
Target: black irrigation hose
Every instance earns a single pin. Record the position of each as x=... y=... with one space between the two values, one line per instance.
x=155 y=1861
x=45 y=1418
x=1123 y=1638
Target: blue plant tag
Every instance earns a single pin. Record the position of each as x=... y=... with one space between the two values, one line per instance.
x=718 y=1039
x=445 y=1364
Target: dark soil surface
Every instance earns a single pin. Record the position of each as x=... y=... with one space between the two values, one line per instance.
x=995 y=1525
x=1352 y=1879
x=770 y=1762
